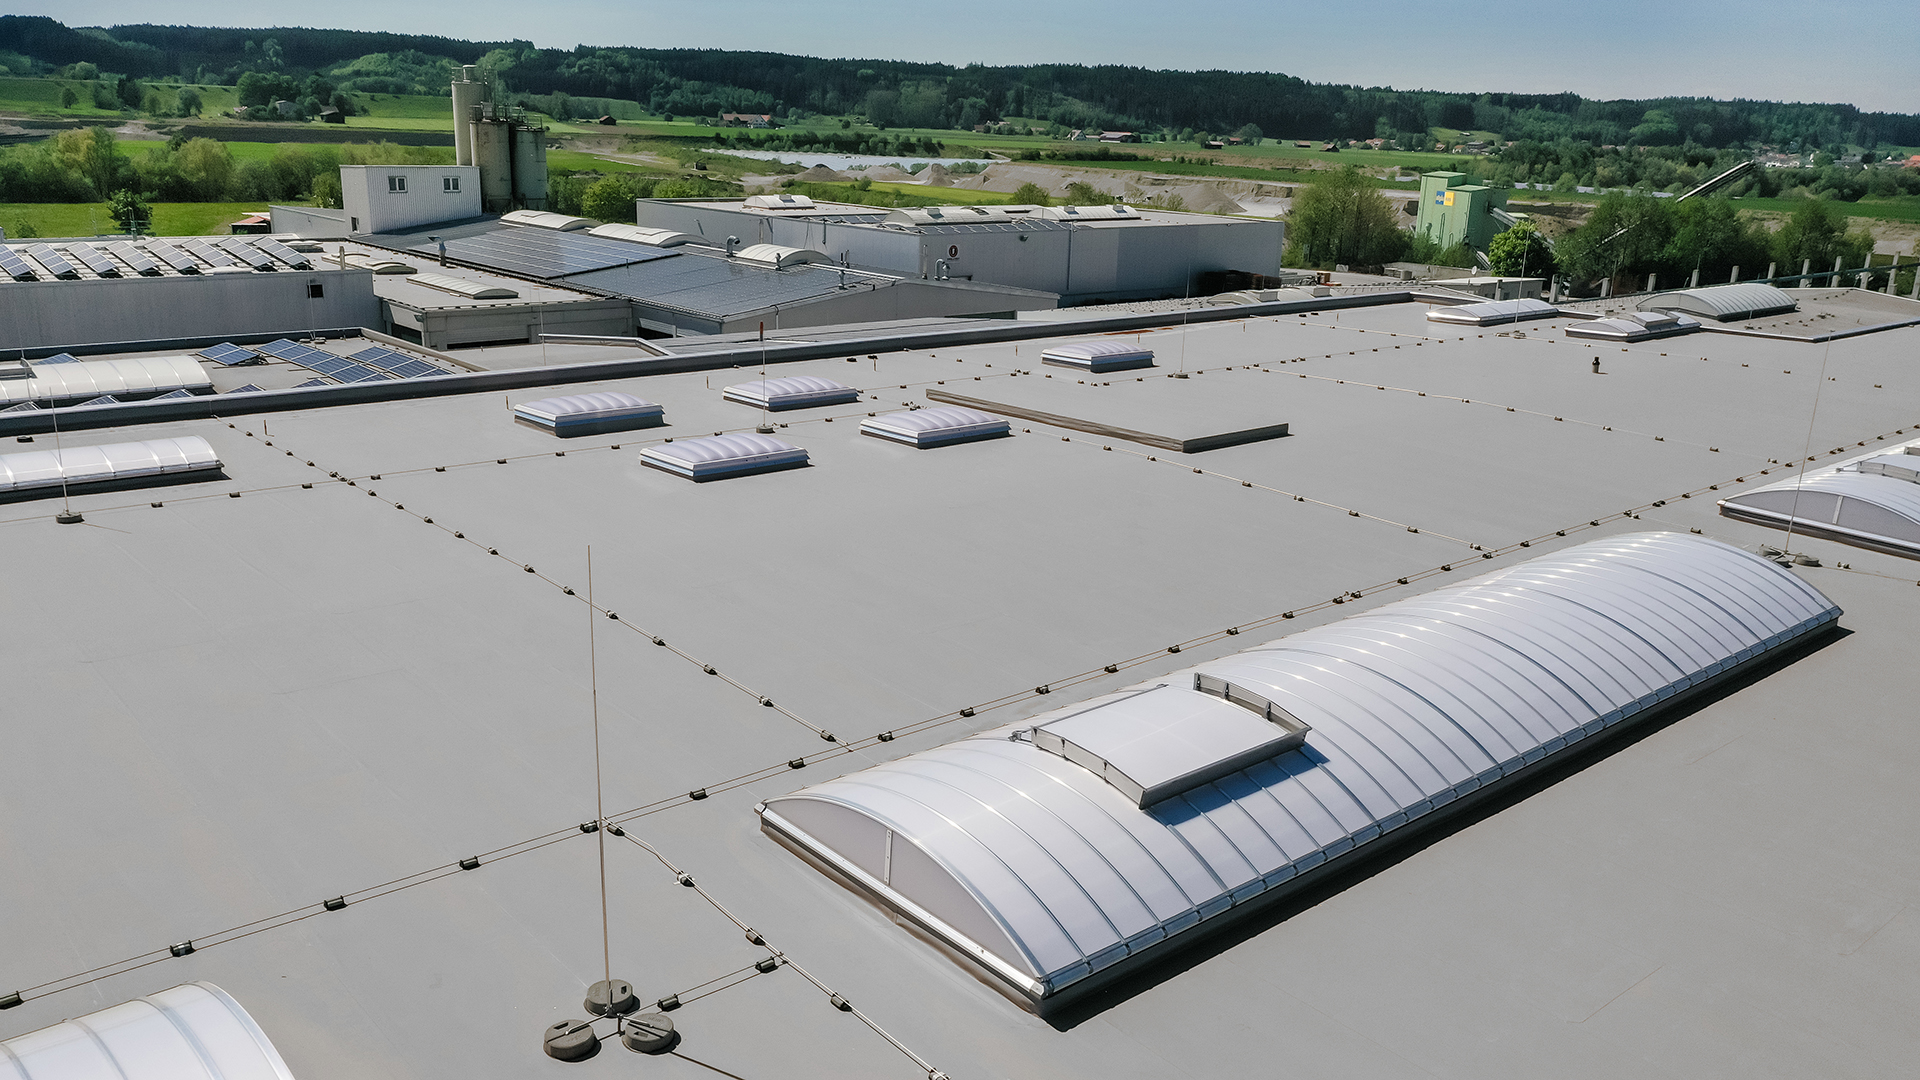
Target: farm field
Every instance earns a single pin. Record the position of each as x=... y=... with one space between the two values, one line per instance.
x=92 y=219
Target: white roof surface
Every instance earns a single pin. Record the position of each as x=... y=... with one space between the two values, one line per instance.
x=472 y=290
x=1412 y=705
x=111 y=461
x=189 y=1032
x=92 y=378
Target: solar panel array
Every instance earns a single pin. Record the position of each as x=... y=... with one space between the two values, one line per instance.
x=543 y=253
x=25 y=406
x=247 y=389
x=174 y=395
x=16 y=267
x=56 y=264
x=94 y=259
x=282 y=252
x=136 y=260
x=247 y=253
x=208 y=254
x=399 y=363
x=103 y=399
x=180 y=261
x=59 y=358
x=313 y=382
x=230 y=355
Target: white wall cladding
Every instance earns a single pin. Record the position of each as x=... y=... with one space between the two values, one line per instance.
x=1411 y=706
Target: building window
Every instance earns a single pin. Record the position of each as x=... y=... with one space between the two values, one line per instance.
x=355 y=226
x=450 y=184
x=396 y=185
x=315 y=291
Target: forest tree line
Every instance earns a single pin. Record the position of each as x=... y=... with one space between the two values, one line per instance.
x=695 y=82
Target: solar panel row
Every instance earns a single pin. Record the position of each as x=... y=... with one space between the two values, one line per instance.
x=16 y=267
x=247 y=389
x=398 y=363
x=94 y=259
x=135 y=259
x=59 y=358
x=174 y=395
x=56 y=264
x=208 y=254
x=230 y=355
x=282 y=252
x=246 y=253
x=179 y=261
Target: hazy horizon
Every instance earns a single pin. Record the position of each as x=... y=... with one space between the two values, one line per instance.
x=1850 y=53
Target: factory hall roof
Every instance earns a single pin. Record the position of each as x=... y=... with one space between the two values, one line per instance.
x=319 y=728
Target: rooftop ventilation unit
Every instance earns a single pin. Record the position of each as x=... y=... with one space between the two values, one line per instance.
x=1638 y=326
x=471 y=290
x=190 y=1032
x=940 y=426
x=542 y=219
x=779 y=256
x=1898 y=466
x=792 y=392
x=589 y=414
x=1725 y=303
x=639 y=234
x=782 y=201
x=1099 y=356
x=1493 y=312
x=1164 y=807
x=76 y=466
x=721 y=456
x=1153 y=744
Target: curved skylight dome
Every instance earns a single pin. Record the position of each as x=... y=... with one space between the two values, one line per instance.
x=1052 y=871
x=1493 y=312
x=1872 y=503
x=458 y=286
x=589 y=414
x=720 y=456
x=791 y=392
x=780 y=256
x=937 y=426
x=641 y=235
x=783 y=200
x=1725 y=303
x=88 y=379
x=1638 y=326
x=190 y=1032
x=1099 y=356
x=78 y=466
x=542 y=219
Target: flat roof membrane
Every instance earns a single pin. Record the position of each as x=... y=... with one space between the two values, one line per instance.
x=1161 y=808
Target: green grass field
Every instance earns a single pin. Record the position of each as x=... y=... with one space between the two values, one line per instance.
x=92 y=219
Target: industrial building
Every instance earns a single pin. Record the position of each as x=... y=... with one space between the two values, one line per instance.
x=1453 y=209
x=1009 y=719
x=1083 y=254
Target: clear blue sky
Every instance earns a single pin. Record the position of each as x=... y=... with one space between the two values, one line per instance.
x=1865 y=52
